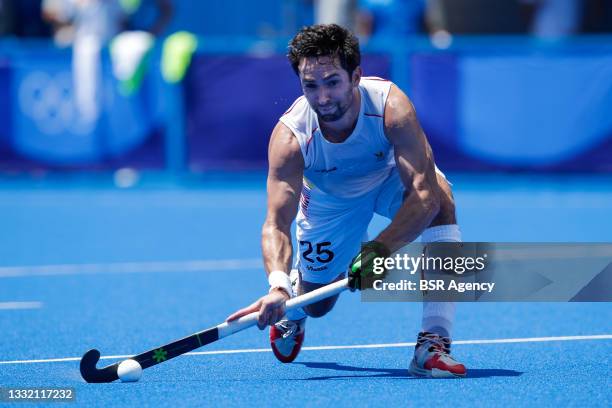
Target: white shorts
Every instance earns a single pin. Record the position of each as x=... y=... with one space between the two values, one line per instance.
x=330 y=229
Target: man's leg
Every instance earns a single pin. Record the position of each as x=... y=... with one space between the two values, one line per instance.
x=438 y=317
x=319 y=309
x=287 y=336
x=329 y=233
x=322 y=307
x=432 y=352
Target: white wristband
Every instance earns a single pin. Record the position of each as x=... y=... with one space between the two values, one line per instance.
x=280 y=279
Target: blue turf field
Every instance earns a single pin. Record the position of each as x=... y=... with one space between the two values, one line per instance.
x=126 y=270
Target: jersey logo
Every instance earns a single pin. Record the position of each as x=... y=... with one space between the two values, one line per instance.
x=379 y=156
x=326 y=170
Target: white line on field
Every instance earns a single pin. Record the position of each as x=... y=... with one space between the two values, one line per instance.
x=130 y=267
x=347 y=347
x=20 y=305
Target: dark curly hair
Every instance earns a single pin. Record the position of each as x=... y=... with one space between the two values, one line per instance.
x=325 y=40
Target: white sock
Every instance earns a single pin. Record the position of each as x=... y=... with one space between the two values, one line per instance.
x=438 y=317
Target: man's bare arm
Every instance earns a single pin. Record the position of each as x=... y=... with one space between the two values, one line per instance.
x=286 y=169
x=415 y=163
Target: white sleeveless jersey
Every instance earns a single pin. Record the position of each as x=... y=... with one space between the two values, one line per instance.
x=359 y=164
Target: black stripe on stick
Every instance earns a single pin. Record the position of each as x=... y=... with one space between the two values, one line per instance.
x=92 y=374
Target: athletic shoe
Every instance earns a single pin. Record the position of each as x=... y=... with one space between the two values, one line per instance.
x=432 y=358
x=286 y=339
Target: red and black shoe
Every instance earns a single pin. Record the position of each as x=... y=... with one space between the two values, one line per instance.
x=432 y=358
x=286 y=339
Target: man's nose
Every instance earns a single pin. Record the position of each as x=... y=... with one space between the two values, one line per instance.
x=323 y=97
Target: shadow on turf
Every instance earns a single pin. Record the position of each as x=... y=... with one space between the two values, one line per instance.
x=397 y=373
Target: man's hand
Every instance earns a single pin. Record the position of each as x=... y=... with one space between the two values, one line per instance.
x=362 y=265
x=271 y=308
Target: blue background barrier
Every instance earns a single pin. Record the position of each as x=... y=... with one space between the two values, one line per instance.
x=234 y=102
x=43 y=128
x=485 y=104
x=45 y=125
x=516 y=110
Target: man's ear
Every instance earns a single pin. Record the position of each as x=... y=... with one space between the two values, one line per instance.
x=356 y=76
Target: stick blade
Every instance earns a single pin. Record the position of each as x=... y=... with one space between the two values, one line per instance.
x=92 y=374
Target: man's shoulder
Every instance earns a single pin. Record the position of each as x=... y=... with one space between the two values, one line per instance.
x=374 y=78
x=398 y=108
x=375 y=90
x=297 y=106
x=375 y=83
x=284 y=149
x=299 y=117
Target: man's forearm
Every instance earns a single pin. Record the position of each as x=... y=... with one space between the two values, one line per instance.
x=415 y=214
x=277 y=248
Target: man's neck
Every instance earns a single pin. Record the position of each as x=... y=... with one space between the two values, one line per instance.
x=339 y=130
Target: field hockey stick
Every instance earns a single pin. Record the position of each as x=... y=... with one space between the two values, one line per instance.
x=161 y=354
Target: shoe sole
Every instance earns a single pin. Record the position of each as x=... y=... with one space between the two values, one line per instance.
x=433 y=373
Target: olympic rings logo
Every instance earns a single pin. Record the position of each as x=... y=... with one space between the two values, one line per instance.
x=48 y=100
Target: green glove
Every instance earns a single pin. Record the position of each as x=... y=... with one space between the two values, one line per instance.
x=362 y=266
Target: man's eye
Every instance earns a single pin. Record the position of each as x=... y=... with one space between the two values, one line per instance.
x=310 y=86
x=332 y=83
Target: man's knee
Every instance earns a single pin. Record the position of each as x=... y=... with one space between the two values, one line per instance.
x=321 y=308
